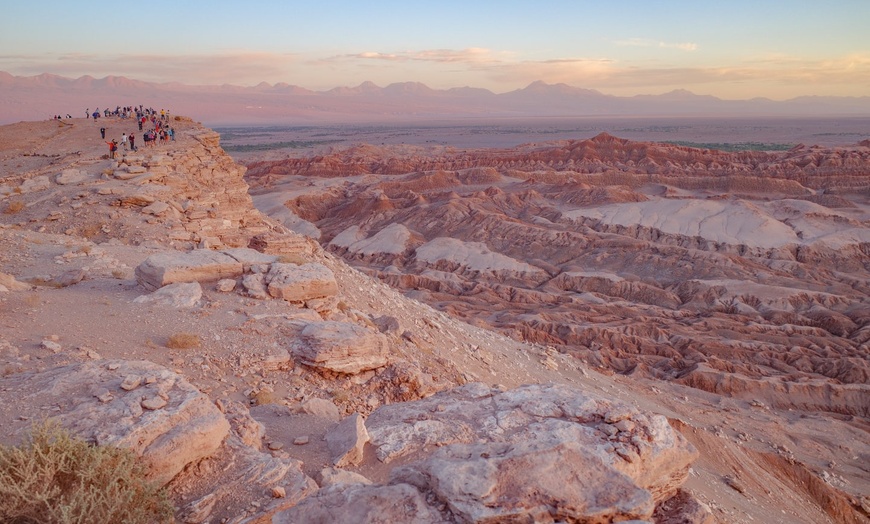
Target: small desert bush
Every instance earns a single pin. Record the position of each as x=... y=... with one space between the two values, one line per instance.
x=14 y=206
x=183 y=341
x=263 y=397
x=55 y=478
x=90 y=230
x=33 y=300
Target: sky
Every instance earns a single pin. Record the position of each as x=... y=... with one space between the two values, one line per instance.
x=733 y=50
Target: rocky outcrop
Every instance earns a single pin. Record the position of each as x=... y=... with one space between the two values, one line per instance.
x=532 y=454
x=341 y=347
x=807 y=166
x=346 y=441
x=362 y=504
x=200 y=265
x=131 y=404
x=628 y=255
x=300 y=283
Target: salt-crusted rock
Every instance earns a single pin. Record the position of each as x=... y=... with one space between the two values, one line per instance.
x=347 y=440
x=200 y=265
x=529 y=481
x=362 y=504
x=187 y=428
x=341 y=346
x=300 y=283
x=180 y=295
x=651 y=453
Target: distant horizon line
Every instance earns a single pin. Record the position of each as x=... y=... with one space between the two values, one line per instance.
x=368 y=84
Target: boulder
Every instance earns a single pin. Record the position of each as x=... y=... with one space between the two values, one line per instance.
x=347 y=440
x=254 y=286
x=71 y=176
x=93 y=405
x=200 y=265
x=300 y=283
x=643 y=447
x=178 y=295
x=342 y=347
x=322 y=408
x=528 y=481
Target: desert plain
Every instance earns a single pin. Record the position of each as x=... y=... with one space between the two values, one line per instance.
x=444 y=317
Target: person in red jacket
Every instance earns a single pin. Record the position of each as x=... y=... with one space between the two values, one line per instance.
x=113 y=146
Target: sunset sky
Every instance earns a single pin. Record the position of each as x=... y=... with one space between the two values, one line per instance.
x=735 y=49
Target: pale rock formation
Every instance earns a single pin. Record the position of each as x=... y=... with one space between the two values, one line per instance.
x=201 y=265
x=225 y=285
x=285 y=243
x=342 y=347
x=347 y=440
x=300 y=283
x=157 y=208
x=11 y=284
x=362 y=504
x=93 y=405
x=178 y=295
x=256 y=477
x=532 y=481
x=248 y=430
x=646 y=449
x=322 y=408
x=254 y=286
x=279 y=360
x=37 y=183
x=71 y=176
x=332 y=476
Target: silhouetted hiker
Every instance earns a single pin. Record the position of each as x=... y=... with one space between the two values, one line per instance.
x=103 y=133
x=132 y=139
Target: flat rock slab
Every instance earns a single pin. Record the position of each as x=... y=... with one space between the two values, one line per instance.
x=300 y=283
x=164 y=419
x=342 y=347
x=362 y=504
x=178 y=295
x=200 y=265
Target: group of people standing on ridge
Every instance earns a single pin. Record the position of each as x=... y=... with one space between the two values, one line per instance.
x=160 y=130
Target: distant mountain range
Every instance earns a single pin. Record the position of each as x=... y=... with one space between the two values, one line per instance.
x=39 y=97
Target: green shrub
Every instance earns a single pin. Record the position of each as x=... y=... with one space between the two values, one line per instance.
x=55 y=478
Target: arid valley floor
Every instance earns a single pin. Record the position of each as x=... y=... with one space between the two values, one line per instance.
x=493 y=312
